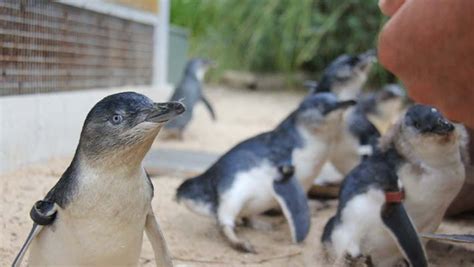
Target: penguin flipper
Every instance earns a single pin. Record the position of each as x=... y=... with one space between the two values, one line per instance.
x=158 y=242
x=209 y=107
x=292 y=199
x=449 y=238
x=399 y=224
x=35 y=230
x=42 y=213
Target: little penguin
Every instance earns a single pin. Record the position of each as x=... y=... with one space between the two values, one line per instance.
x=255 y=175
x=358 y=137
x=96 y=213
x=345 y=76
x=189 y=92
x=394 y=102
x=401 y=190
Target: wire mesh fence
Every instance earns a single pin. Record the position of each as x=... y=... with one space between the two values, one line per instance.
x=47 y=46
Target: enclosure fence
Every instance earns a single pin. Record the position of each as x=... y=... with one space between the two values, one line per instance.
x=46 y=46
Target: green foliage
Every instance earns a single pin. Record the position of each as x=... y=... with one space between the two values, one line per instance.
x=280 y=35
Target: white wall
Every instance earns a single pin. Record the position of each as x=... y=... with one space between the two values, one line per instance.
x=38 y=127
x=161 y=36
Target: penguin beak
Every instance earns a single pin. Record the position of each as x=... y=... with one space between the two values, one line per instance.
x=340 y=105
x=443 y=127
x=366 y=59
x=163 y=112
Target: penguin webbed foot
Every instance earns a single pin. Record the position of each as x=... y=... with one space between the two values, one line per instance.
x=359 y=260
x=235 y=242
x=244 y=246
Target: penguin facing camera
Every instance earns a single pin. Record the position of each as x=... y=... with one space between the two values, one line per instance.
x=401 y=190
x=97 y=211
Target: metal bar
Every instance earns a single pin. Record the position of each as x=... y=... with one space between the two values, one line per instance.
x=48 y=47
x=70 y=39
x=82 y=51
x=84 y=29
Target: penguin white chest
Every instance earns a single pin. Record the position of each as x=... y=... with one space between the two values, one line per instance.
x=362 y=231
x=431 y=189
x=309 y=160
x=101 y=226
x=345 y=154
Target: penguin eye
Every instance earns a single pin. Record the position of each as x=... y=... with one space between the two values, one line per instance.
x=116 y=119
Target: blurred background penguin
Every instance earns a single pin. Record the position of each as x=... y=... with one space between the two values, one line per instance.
x=189 y=92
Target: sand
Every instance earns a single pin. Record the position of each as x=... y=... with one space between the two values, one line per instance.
x=194 y=240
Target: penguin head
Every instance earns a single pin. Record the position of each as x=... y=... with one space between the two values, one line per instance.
x=390 y=91
x=427 y=132
x=390 y=101
x=318 y=111
x=346 y=75
x=427 y=120
x=198 y=67
x=386 y=104
x=124 y=121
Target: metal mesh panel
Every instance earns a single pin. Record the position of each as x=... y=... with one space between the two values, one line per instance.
x=51 y=47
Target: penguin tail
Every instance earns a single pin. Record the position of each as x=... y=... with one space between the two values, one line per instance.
x=197 y=194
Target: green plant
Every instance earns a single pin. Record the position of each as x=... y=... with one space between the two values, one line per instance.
x=280 y=35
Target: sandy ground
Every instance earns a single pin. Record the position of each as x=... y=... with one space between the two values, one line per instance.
x=240 y=114
x=195 y=240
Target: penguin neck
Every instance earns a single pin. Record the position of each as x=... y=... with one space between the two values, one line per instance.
x=347 y=92
x=324 y=85
x=125 y=161
x=429 y=154
x=315 y=135
x=198 y=75
x=325 y=132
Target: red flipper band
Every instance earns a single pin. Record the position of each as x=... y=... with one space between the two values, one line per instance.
x=394 y=196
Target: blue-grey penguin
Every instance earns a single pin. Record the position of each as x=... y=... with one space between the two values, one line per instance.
x=345 y=75
x=403 y=189
x=392 y=101
x=248 y=179
x=97 y=212
x=189 y=92
x=359 y=136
